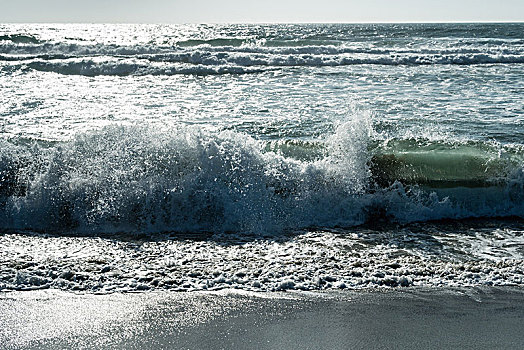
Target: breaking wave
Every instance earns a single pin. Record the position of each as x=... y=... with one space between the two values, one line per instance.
x=206 y=63
x=95 y=67
x=312 y=59
x=131 y=178
x=237 y=55
x=19 y=38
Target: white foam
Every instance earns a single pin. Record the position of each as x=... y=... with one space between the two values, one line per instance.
x=427 y=256
x=122 y=67
x=127 y=178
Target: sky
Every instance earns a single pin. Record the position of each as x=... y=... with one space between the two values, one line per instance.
x=265 y=11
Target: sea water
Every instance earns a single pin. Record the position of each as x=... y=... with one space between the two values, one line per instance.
x=261 y=157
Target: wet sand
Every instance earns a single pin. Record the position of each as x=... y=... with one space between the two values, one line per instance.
x=474 y=318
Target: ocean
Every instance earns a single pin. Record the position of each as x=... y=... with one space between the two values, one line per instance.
x=261 y=157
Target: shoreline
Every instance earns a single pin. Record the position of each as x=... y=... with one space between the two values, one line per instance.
x=446 y=254
x=414 y=318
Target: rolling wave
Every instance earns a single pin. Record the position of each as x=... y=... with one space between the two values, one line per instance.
x=96 y=67
x=445 y=164
x=227 y=55
x=19 y=38
x=291 y=60
x=78 y=50
x=205 y=64
x=213 y=42
x=187 y=180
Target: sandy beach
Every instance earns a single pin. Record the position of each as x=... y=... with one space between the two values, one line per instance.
x=472 y=318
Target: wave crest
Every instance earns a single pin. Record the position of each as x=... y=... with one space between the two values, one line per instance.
x=101 y=66
x=210 y=57
x=124 y=178
x=187 y=180
x=19 y=38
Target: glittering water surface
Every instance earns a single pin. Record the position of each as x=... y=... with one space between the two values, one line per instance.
x=293 y=135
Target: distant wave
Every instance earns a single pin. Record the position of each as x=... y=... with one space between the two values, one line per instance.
x=206 y=64
x=210 y=57
x=28 y=44
x=97 y=67
x=290 y=60
x=185 y=180
x=213 y=42
x=19 y=38
x=72 y=50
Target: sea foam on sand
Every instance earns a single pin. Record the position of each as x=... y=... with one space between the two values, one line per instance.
x=417 y=255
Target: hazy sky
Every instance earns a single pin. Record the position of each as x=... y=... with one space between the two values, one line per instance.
x=212 y=11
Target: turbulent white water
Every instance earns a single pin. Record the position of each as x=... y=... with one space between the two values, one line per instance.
x=263 y=131
x=184 y=179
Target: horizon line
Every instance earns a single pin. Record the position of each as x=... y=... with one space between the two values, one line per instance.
x=264 y=22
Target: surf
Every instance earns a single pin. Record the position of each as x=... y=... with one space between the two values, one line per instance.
x=129 y=178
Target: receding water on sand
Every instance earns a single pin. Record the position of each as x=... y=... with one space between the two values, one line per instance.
x=474 y=318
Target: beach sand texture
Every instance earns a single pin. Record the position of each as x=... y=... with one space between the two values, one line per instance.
x=489 y=318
